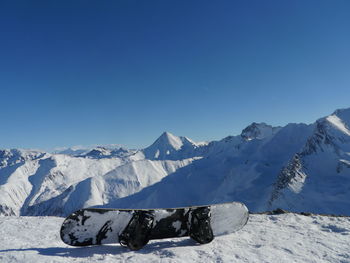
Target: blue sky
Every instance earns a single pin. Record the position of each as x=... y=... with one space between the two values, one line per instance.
x=102 y=72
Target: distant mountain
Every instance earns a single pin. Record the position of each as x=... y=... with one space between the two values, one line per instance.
x=298 y=167
x=103 y=152
x=73 y=151
x=258 y=131
x=171 y=147
x=13 y=157
x=83 y=150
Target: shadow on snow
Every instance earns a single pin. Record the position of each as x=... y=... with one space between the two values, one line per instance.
x=81 y=252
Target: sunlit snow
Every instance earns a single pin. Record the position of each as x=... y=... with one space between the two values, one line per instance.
x=266 y=238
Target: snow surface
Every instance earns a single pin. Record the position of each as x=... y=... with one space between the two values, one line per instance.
x=266 y=238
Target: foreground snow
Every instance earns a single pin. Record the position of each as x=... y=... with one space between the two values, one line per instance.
x=266 y=238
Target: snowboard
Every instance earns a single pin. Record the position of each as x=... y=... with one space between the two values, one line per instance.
x=97 y=226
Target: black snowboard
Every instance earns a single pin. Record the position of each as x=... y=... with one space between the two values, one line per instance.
x=96 y=226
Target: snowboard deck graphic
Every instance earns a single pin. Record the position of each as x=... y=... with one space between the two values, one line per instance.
x=96 y=226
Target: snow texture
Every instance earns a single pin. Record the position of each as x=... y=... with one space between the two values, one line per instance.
x=266 y=238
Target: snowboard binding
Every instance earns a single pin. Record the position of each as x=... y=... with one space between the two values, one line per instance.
x=199 y=225
x=137 y=232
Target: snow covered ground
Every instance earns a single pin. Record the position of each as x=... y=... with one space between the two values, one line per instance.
x=266 y=238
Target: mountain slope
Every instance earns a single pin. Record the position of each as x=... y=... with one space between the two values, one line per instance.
x=233 y=169
x=100 y=189
x=38 y=180
x=318 y=177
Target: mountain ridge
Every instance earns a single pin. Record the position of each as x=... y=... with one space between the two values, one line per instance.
x=298 y=167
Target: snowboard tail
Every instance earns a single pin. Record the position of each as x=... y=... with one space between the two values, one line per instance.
x=96 y=226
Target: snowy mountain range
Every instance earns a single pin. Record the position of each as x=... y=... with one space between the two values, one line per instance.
x=298 y=167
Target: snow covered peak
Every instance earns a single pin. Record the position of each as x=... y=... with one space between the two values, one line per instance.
x=167 y=145
x=340 y=120
x=15 y=156
x=99 y=152
x=343 y=114
x=168 y=139
x=81 y=150
x=258 y=131
x=338 y=123
x=331 y=131
x=104 y=152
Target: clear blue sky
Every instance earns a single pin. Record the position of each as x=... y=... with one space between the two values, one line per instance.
x=101 y=72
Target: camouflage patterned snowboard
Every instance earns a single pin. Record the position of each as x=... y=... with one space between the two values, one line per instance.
x=96 y=226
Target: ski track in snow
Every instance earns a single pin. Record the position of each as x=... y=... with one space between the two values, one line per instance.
x=266 y=238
